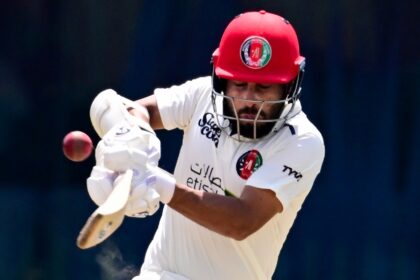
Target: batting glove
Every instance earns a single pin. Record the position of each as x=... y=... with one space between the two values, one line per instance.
x=124 y=147
x=124 y=150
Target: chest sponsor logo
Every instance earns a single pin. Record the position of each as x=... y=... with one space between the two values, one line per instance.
x=289 y=171
x=248 y=163
x=209 y=128
x=203 y=178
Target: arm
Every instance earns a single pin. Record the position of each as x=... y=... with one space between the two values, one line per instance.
x=233 y=217
x=151 y=115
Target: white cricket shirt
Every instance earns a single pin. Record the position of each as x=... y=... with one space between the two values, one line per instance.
x=286 y=162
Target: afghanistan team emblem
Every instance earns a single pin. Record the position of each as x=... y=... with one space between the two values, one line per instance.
x=255 y=52
x=248 y=163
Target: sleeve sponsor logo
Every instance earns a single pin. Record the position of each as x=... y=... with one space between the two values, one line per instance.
x=290 y=172
x=209 y=128
x=248 y=163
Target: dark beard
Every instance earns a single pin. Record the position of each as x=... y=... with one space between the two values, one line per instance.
x=247 y=129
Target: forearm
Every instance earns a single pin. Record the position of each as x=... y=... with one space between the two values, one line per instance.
x=147 y=109
x=143 y=119
x=225 y=215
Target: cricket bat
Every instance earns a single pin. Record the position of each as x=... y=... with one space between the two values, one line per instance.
x=108 y=217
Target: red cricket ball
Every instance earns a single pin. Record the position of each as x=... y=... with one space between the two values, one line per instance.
x=77 y=146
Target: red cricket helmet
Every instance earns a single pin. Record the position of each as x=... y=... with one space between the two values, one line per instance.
x=258 y=47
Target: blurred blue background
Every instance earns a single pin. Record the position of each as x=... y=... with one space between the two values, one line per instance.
x=361 y=89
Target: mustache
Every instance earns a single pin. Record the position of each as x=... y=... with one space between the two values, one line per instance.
x=251 y=110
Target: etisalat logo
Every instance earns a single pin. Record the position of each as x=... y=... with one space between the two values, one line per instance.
x=203 y=179
x=209 y=128
x=248 y=163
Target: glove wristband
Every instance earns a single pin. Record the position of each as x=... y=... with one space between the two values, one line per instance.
x=164 y=184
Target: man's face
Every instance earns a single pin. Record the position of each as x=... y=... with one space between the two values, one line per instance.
x=246 y=101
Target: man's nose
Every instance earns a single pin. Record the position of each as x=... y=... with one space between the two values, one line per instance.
x=249 y=92
x=249 y=97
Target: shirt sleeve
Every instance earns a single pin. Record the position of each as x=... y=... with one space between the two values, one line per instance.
x=291 y=171
x=177 y=104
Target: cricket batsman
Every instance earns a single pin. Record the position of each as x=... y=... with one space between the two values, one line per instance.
x=249 y=156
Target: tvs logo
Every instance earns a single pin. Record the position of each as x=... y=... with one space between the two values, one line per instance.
x=248 y=163
x=209 y=128
x=255 y=52
x=292 y=172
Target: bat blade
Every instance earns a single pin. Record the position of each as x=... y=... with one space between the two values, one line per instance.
x=108 y=217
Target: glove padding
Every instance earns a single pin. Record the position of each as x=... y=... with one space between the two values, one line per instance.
x=124 y=147
x=143 y=200
x=128 y=146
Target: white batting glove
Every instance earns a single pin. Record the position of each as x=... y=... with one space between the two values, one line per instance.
x=160 y=181
x=121 y=149
x=100 y=184
x=148 y=188
x=126 y=146
x=109 y=109
x=143 y=200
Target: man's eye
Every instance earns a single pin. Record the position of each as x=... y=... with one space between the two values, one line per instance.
x=264 y=87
